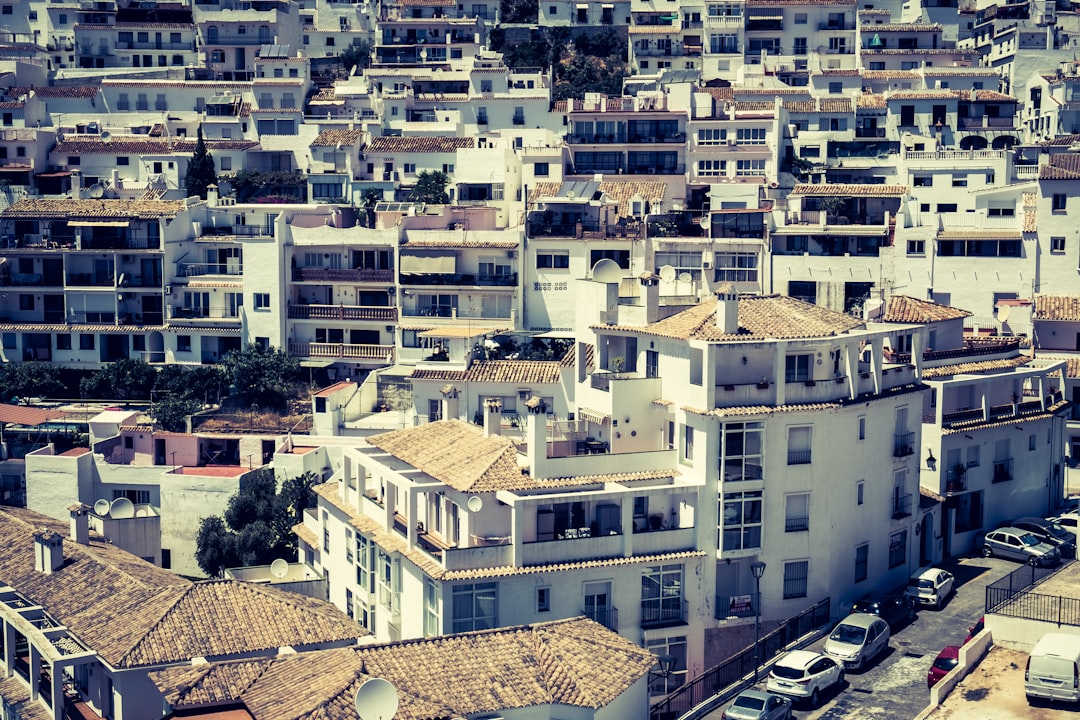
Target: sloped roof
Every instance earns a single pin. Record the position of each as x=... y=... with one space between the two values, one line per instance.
x=619 y=191
x=1057 y=307
x=975 y=368
x=337 y=136
x=65 y=209
x=497 y=371
x=458 y=454
x=384 y=144
x=905 y=309
x=848 y=189
x=1062 y=166
x=760 y=317
x=450 y=676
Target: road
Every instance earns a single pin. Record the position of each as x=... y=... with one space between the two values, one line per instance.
x=894 y=687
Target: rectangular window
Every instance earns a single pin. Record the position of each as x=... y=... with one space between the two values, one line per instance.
x=712 y=168
x=688 y=445
x=675 y=647
x=916 y=247
x=736 y=267
x=797 y=368
x=183 y=343
x=434 y=410
x=743 y=451
x=86 y=341
x=63 y=341
x=543 y=599
x=1057 y=244
x=862 y=562
x=796 y=573
x=262 y=301
x=749 y=167
x=662 y=595
x=800 y=18
x=26 y=301
x=1058 y=202
x=556 y=260
x=475 y=606
x=750 y=136
x=712 y=136
x=959 y=181
x=923 y=181
x=862 y=427
x=797 y=513
x=798 y=445
x=541 y=169
x=741 y=513
x=859 y=486
x=431 y=608
x=897 y=549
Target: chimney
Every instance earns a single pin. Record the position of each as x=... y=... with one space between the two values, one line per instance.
x=449 y=402
x=492 y=417
x=211 y=195
x=76 y=184
x=536 y=436
x=48 y=551
x=80 y=523
x=727 y=309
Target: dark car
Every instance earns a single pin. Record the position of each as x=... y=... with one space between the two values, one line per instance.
x=975 y=629
x=1049 y=532
x=890 y=607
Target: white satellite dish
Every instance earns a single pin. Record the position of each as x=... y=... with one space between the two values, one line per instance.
x=105 y=136
x=475 y=503
x=685 y=277
x=96 y=190
x=1003 y=312
x=607 y=270
x=705 y=222
x=279 y=568
x=122 y=508
x=143 y=512
x=667 y=273
x=376 y=699
x=102 y=507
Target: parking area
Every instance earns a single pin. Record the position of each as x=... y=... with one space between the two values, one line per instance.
x=895 y=685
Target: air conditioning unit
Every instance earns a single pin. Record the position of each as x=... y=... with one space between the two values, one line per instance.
x=706 y=265
x=731 y=141
x=511 y=254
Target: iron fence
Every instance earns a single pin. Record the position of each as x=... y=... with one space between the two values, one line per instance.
x=1011 y=596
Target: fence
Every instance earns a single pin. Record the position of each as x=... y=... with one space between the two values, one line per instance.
x=735 y=669
x=1010 y=596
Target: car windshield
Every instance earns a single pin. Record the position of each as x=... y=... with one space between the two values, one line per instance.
x=850 y=634
x=749 y=702
x=914 y=583
x=926 y=584
x=787 y=673
x=1029 y=539
x=1059 y=531
x=945 y=663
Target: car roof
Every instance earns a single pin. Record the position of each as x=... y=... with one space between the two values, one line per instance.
x=1041 y=522
x=860 y=620
x=949 y=651
x=799 y=658
x=927 y=573
x=1010 y=529
x=756 y=694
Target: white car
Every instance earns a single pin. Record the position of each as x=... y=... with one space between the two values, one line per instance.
x=805 y=674
x=858 y=639
x=930 y=587
x=1070 y=521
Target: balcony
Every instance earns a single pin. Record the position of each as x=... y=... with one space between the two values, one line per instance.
x=869 y=132
x=343 y=312
x=322 y=274
x=986 y=122
x=608 y=617
x=901 y=506
x=798 y=457
x=903 y=444
x=202 y=313
x=764 y=23
x=201 y=269
x=1003 y=471
x=467 y=279
x=796 y=524
x=954 y=480
x=664 y=613
x=343 y=351
x=90 y=280
x=835 y=25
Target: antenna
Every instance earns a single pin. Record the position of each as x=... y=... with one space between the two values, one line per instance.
x=279 y=568
x=475 y=503
x=607 y=271
x=376 y=699
x=102 y=507
x=122 y=508
x=667 y=273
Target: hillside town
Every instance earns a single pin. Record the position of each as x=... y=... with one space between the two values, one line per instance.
x=416 y=359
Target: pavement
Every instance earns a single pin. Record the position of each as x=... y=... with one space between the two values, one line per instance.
x=894 y=687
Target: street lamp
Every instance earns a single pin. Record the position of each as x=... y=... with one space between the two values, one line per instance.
x=758 y=569
x=666 y=664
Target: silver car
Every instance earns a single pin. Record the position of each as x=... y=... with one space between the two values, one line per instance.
x=757 y=705
x=858 y=639
x=1016 y=544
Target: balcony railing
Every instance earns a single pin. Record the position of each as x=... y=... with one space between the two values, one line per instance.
x=798 y=457
x=199 y=269
x=664 y=613
x=204 y=313
x=471 y=279
x=344 y=351
x=954 y=480
x=608 y=617
x=321 y=274
x=1003 y=470
x=342 y=312
x=796 y=524
x=903 y=444
x=836 y=25
x=901 y=506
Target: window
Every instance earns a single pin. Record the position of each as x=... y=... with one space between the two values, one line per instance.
x=946 y=207
x=662 y=595
x=862 y=557
x=897 y=549
x=835 y=88
x=797 y=368
x=86 y=341
x=326 y=531
x=676 y=648
x=475 y=606
x=226 y=163
x=26 y=301
x=10 y=342
x=797 y=513
x=749 y=167
x=365 y=564
x=541 y=169
x=183 y=343
x=795 y=575
x=799 y=46
x=543 y=599
x=959 y=181
x=862 y=427
x=743 y=451
x=736 y=267
x=409 y=168
x=799 y=445
x=923 y=181
x=712 y=136
x=800 y=18
x=431 y=608
x=262 y=301
x=968 y=511
x=7 y=10
x=1058 y=202
x=712 y=168
x=434 y=413
x=1057 y=244
x=859 y=492
x=750 y=136
x=63 y=341
x=916 y=247
x=741 y=513
x=688 y=445
x=1031 y=443
x=555 y=260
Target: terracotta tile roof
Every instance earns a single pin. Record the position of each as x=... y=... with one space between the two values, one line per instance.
x=901 y=27
x=760 y=317
x=1051 y=410
x=141 y=145
x=1030 y=199
x=848 y=189
x=65 y=209
x=975 y=368
x=384 y=144
x=835 y=105
x=458 y=454
x=1062 y=140
x=800 y=106
x=958 y=71
x=337 y=136
x=847 y=72
x=926 y=94
x=871 y=101
x=328 y=391
x=498 y=371
x=904 y=309
x=1057 y=307
x=1072 y=363
x=621 y=191
x=979 y=235
x=16 y=694
x=301 y=531
x=462 y=675
x=889 y=75
x=754 y=106
x=1031 y=212
x=1062 y=166
x=510 y=570
x=54 y=91
x=740 y=410
x=461 y=240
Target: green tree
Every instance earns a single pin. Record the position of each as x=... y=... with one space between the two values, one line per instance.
x=585 y=73
x=31 y=378
x=125 y=379
x=519 y=11
x=200 y=171
x=431 y=188
x=357 y=55
x=171 y=411
x=372 y=197
x=261 y=375
x=215 y=546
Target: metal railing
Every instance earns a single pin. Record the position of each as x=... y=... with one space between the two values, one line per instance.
x=730 y=675
x=1003 y=470
x=901 y=506
x=796 y=524
x=660 y=613
x=1011 y=596
x=798 y=457
x=903 y=444
x=342 y=312
x=608 y=617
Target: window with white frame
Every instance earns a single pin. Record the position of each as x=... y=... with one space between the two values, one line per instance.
x=431 y=608
x=688 y=444
x=797 y=367
x=688 y=262
x=661 y=684
x=712 y=168
x=475 y=606
x=661 y=595
x=736 y=267
x=749 y=167
x=712 y=136
x=750 y=136
x=743 y=450
x=796 y=573
x=799 y=445
x=741 y=513
x=797 y=512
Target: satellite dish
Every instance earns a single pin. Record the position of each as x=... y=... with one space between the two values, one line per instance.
x=475 y=503
x=102 y=507
x=142 y=512
x=96 y=190
x=705 y=222
x=279 y=568
x=122 y=509
x=667 y=273
x=1003 y=312
x=105 y=136
x=376 y=699
x=685 y=277
x=607 y=270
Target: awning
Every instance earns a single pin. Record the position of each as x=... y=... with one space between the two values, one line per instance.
x=593 y=416
x=98 y=223
x=582 y=6
x=429 y=262
x=317 y=363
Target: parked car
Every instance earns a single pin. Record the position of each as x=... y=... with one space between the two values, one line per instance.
x=805 y=674
x=1053 y=668
x=945 y=661
x=892 y=608
x=757 y=705
x=858 y=639
x=930 y=587
x=1049 y=532
x=975 y=629
x=1070 y=521
x=1016 y=544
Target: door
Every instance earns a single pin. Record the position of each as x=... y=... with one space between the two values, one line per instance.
x=159 y=451
x=598 y=603
x=926 y=549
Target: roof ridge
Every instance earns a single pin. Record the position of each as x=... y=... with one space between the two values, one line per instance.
x=146 y=634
